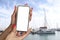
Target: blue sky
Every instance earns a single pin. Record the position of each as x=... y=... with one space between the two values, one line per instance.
x=52 y=10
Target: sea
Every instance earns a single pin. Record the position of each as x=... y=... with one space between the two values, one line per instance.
x=55 y=36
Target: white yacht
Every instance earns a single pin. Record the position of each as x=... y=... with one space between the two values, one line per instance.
x=44 y=29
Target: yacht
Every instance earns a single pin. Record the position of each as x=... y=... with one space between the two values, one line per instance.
x=44 y=29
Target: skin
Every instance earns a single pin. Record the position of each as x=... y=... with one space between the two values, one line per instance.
x=10 y=33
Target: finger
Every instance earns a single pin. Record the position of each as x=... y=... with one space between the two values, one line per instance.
x=29 y=29
x=30 y=12
x=23 y=33
x=28 y=32
x=15 y=11
x=14 y=16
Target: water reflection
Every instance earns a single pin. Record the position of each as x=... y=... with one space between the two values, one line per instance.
x=44 y=37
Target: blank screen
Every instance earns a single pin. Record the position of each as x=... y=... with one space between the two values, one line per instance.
x=22 y=18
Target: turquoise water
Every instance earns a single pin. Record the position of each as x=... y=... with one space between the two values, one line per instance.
x=43 y=37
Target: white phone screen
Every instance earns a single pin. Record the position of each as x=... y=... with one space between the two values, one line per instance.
x=22 y=18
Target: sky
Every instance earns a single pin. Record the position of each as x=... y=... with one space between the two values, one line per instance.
x=51 y=7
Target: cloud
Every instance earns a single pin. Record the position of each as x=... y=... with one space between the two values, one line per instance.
x=4 y=23
x=50 y=1
x=52 y=9
x=5 y=17
x=52 y=12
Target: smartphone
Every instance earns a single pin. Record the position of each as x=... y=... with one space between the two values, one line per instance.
x=22 y=18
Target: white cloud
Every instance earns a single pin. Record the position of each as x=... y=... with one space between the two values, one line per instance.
x=4 y=23
x=50 y=1
x=6 y=17
x=6 y=11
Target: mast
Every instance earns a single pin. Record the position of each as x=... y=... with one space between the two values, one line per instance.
x=45 y=21
x=57 y=25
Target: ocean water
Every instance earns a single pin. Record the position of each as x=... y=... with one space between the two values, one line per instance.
x=43 y=37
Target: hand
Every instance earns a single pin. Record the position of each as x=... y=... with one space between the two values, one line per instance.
x=13 y=35
x=16 y=35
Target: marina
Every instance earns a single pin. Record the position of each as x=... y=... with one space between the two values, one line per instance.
x=55 y=36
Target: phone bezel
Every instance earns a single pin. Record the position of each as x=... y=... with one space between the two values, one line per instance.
x=28 y=15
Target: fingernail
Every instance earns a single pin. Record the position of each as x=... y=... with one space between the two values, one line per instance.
x=14 y=25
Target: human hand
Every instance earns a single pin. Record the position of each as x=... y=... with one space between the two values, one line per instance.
x=13 y=21
x=30 y=16
x=13 y=35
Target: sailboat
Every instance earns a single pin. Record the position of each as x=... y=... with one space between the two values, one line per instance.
x=44 y=29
